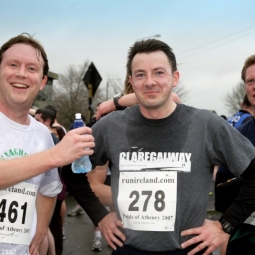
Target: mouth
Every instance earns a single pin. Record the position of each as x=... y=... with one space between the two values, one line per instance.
x=151 y=92
x=19 y=85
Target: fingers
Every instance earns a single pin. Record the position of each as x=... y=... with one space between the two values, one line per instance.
x=191 y=231
x=109 y=227
x=114 y=240
x=98 y=115
x=82 y=130
x=33 y=250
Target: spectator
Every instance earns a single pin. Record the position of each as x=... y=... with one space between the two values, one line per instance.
x=242 y=241
x=47 y=117
x=242 y=115
x=52 y=108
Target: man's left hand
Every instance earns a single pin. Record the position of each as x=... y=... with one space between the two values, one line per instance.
x=36 y=244
x=210 y=235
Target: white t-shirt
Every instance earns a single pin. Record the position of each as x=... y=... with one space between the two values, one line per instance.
x=17 y=203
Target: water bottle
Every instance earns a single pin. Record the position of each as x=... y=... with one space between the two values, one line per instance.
x=83 y=164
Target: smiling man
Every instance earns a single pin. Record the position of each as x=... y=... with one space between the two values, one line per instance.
x=29 y=180
x=162 y=156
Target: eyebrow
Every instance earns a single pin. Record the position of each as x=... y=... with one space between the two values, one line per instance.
x=154 y=69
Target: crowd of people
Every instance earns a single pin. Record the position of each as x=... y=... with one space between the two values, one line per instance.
x=153 y=160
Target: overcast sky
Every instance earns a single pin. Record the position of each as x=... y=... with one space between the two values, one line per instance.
x=210 y=38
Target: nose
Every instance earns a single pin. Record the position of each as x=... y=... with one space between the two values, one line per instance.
x=21 y=72
x=150 y=81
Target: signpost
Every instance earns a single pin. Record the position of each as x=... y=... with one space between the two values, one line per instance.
x=92 y=80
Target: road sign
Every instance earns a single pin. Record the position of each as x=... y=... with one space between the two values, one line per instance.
x=92 y=79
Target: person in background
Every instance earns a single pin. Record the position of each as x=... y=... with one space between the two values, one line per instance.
x=47 y=117
x=222 y=173
x=242 y=115
x=58 y=132
x=52 y=108
x=78 y=210
x=242 y=240
x=32 y=111
x=25 y=144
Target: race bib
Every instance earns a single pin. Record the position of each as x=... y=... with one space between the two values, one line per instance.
x=147 y=200
x=17 y=206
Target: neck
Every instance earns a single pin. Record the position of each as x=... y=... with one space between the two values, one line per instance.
x=159 y=113
x=18 y=115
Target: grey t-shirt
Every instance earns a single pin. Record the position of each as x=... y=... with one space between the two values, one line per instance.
x=188 y=134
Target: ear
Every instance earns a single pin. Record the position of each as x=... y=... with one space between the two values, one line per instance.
x=44 y=81
x=131 y=80
x=176 y=77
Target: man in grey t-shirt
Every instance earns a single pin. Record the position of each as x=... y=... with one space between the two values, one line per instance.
x=162 y=156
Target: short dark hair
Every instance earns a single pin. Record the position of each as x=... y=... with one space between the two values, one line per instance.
x=148 y=46
x=26 y=38
x=248 y=62
x=60 y=131
x=52 y=108
x=46 y=114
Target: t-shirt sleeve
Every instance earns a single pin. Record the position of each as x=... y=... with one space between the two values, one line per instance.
x=231 y=149
x=99 y=157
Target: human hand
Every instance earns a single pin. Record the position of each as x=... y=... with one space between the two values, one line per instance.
x=35 y=245
x=209 y=235
x=109 y=228
x=104 y=108
x=73 y=145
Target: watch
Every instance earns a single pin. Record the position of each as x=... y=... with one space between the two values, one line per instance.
x=115 y=100
x=226 y=226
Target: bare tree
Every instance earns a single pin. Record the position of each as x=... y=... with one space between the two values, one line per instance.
x=70 y=94
x=108 y=90
x=234 y=98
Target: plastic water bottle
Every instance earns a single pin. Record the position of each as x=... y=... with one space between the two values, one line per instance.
x=83 y=164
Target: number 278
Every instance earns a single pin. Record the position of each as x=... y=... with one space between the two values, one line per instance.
x=159 y=203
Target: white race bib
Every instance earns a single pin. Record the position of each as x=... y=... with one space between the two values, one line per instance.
x=147 y=200
x=17 y=206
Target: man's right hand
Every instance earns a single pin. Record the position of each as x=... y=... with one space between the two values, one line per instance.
x=109 y=226
x=75 y=144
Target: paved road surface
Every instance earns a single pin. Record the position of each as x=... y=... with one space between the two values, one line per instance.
x=80 y=232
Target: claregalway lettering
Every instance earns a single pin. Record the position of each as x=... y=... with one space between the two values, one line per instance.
x=156 y=156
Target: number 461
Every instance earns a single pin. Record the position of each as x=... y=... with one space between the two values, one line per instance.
x=12 y=211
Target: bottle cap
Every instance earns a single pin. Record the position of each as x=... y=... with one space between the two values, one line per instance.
x=77 y=116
